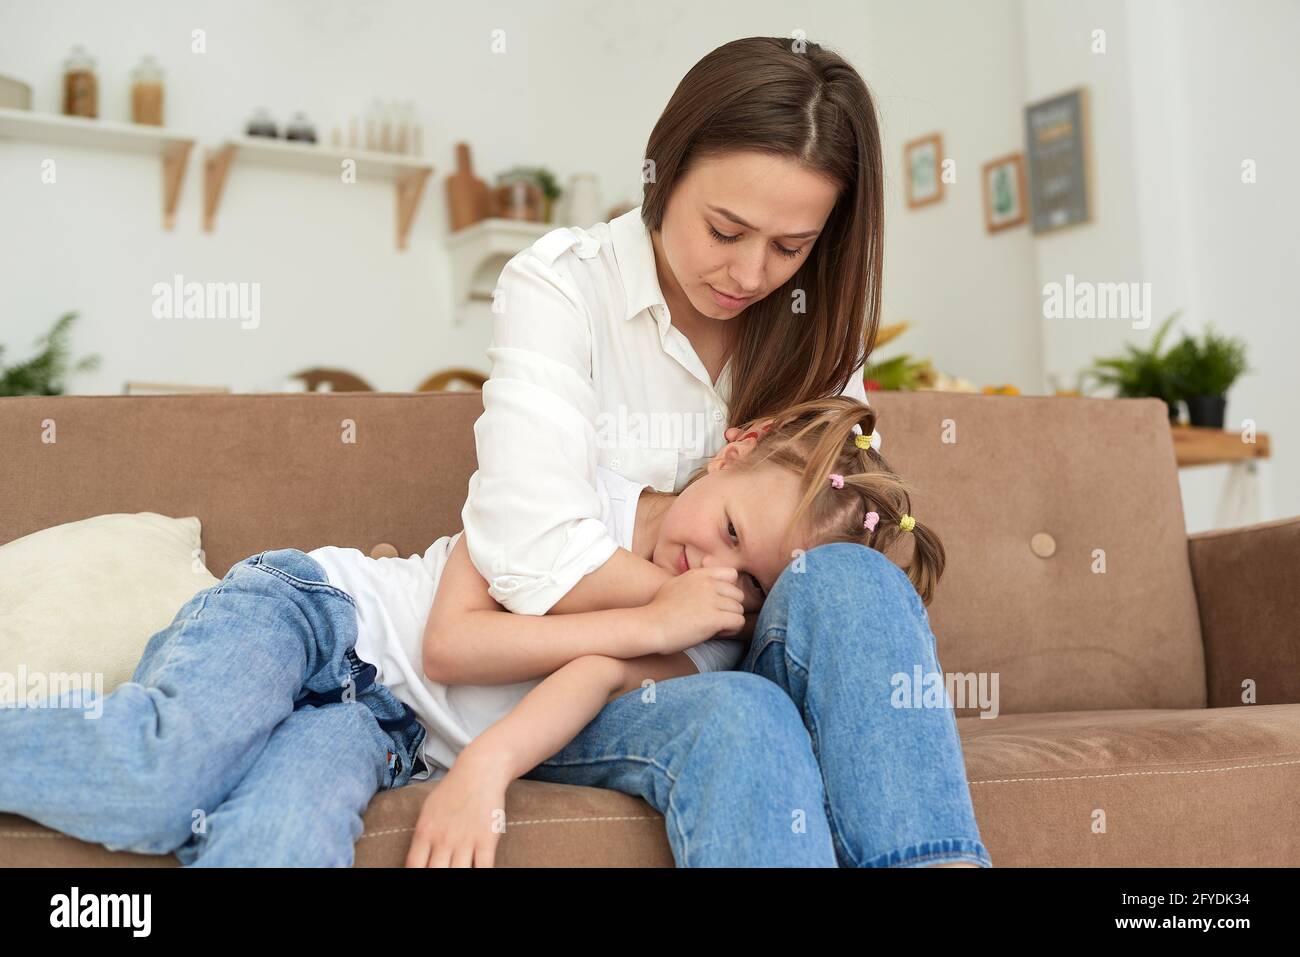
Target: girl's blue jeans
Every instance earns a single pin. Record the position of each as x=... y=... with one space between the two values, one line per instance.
x=800 y=758
x=250 y=733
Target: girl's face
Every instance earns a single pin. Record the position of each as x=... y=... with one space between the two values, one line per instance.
x=732 y=518
x=739 y=224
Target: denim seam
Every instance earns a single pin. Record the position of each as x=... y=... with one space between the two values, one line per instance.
x=171 y=645
x=966 y=852
x=304 y=585
x=672 y=789
x=812 y=721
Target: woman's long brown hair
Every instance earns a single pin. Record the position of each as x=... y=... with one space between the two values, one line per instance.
x=796 y=99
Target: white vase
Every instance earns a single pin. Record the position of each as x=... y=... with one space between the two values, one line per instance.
x=583 y=206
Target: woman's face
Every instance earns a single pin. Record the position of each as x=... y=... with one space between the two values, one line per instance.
x=738 y=224
x=732 y=517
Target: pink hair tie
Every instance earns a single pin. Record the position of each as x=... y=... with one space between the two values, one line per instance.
x=837 y=480
x=869 y=523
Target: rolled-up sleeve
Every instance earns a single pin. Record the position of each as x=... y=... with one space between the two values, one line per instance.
x=532 y=516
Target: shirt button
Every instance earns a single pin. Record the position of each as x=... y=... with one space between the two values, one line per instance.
x=717 y=415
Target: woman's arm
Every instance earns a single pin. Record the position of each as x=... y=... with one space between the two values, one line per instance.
x=462 y=819
x=532 y=514
x=470 y=639
x=552 y=714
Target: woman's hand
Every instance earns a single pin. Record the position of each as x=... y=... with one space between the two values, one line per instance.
x=693 y=607
x=462 y=820
x=735 y=433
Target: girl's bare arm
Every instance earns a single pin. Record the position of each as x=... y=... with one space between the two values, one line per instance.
x=471 y=639
x=625 y=581
x=565 y=702
x=460 y=821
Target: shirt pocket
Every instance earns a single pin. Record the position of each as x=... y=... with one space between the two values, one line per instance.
x=642 y=463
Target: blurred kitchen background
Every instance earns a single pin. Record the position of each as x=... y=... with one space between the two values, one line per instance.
x=1183 y=111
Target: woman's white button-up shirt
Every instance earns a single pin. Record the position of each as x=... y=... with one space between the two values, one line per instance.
x=586 y=369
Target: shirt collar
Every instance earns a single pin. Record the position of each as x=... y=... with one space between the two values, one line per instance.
x=635 y=255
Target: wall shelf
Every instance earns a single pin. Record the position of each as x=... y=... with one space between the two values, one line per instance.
x=478 y=253
x=1195 y=445
x=408 y=173
x=172 y=148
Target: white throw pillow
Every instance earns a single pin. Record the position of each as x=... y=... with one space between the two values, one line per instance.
x=85 y=597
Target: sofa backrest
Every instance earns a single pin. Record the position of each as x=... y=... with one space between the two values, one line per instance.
x=991 y=473
x=1106 y=617
x=289 y=470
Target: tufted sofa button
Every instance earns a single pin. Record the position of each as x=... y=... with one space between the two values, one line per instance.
x=1043 y=545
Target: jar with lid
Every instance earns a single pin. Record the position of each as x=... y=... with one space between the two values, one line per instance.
x=80 y=85
x=261 y=124
x=147 y=93
x=300 y=128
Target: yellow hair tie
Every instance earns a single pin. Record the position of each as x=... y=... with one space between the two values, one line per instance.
x=863 y=441
x=907 y=523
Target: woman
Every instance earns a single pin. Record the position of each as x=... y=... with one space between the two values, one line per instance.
x=748 y=280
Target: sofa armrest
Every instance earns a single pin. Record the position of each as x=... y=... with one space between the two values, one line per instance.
x=1248 y=590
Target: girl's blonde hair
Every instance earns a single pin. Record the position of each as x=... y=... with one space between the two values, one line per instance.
x=815 y=439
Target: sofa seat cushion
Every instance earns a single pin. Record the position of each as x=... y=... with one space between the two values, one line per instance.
x=551 y=825
x=1157 y=788
x=1150 y=788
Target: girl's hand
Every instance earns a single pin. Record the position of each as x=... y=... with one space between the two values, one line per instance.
x=462 y=820
x=694 y=607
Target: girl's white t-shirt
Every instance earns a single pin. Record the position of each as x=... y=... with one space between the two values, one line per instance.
x=393 y=597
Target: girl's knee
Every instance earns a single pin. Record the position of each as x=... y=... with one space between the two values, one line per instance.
x=749 y=704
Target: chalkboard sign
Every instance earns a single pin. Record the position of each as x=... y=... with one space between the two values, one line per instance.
x=1056 y=137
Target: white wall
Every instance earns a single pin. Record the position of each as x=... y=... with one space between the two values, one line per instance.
x=1184 y=92
x=579 y=88
x=955 y=68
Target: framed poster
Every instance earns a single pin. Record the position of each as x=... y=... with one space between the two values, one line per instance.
x=921 y=159
x=1004 y=192
x=1056 y=137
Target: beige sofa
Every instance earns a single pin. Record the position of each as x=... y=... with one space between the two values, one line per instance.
x=1121 y=738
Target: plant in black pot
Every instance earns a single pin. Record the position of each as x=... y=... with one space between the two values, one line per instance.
x=1140 y=373
x=1202 y=373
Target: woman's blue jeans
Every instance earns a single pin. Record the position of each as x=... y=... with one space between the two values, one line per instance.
x=801 y=758
x=250 y=733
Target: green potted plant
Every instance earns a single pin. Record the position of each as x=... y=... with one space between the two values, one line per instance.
x=1203 y=372
x=542 y=178
x=1140 y=372
x=43 y=374
x=899 y=373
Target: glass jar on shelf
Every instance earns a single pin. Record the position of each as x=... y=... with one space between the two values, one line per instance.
x=300 y=129
x=261 y=124
x=147 y=93
x=80 y=85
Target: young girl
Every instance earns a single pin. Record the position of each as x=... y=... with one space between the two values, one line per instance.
x=239 y=739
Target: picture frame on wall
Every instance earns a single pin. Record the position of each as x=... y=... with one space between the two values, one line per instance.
x=1004 y=192
x=1057 y=151
x=922 y=160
